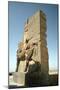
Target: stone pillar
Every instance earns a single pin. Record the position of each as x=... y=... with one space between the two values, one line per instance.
x=35 y=30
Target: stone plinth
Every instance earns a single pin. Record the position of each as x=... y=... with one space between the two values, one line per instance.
x=19 y=77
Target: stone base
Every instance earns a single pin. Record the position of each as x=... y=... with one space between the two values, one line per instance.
x=30 y=79
x=19 y=78
x=36 y=79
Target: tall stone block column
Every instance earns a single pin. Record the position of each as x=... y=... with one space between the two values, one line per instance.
x=43 y=43
x=35 y=30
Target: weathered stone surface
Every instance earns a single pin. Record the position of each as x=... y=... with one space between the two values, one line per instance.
x=22 y=66
x=35 y=31
x=34 y=67
x=19 y=77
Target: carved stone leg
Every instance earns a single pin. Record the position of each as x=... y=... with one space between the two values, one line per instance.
x=27 y=64
x=18 y=62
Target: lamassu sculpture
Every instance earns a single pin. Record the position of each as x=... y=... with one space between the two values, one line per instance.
x=32 y=55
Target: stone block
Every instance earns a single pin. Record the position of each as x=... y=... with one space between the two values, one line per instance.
x=19 y=78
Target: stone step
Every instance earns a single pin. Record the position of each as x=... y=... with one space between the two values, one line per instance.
x=19 y=77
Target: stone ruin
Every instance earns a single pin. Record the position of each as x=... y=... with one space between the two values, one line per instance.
x=35 y=29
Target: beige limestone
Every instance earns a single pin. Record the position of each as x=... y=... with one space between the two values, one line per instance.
x=35 y=29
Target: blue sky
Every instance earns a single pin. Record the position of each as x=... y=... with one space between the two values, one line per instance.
x=18 y=13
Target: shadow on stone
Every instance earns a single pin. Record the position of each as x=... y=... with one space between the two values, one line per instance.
x=34 y=78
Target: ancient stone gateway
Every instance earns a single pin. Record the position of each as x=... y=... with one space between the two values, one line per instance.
x=35 y=29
